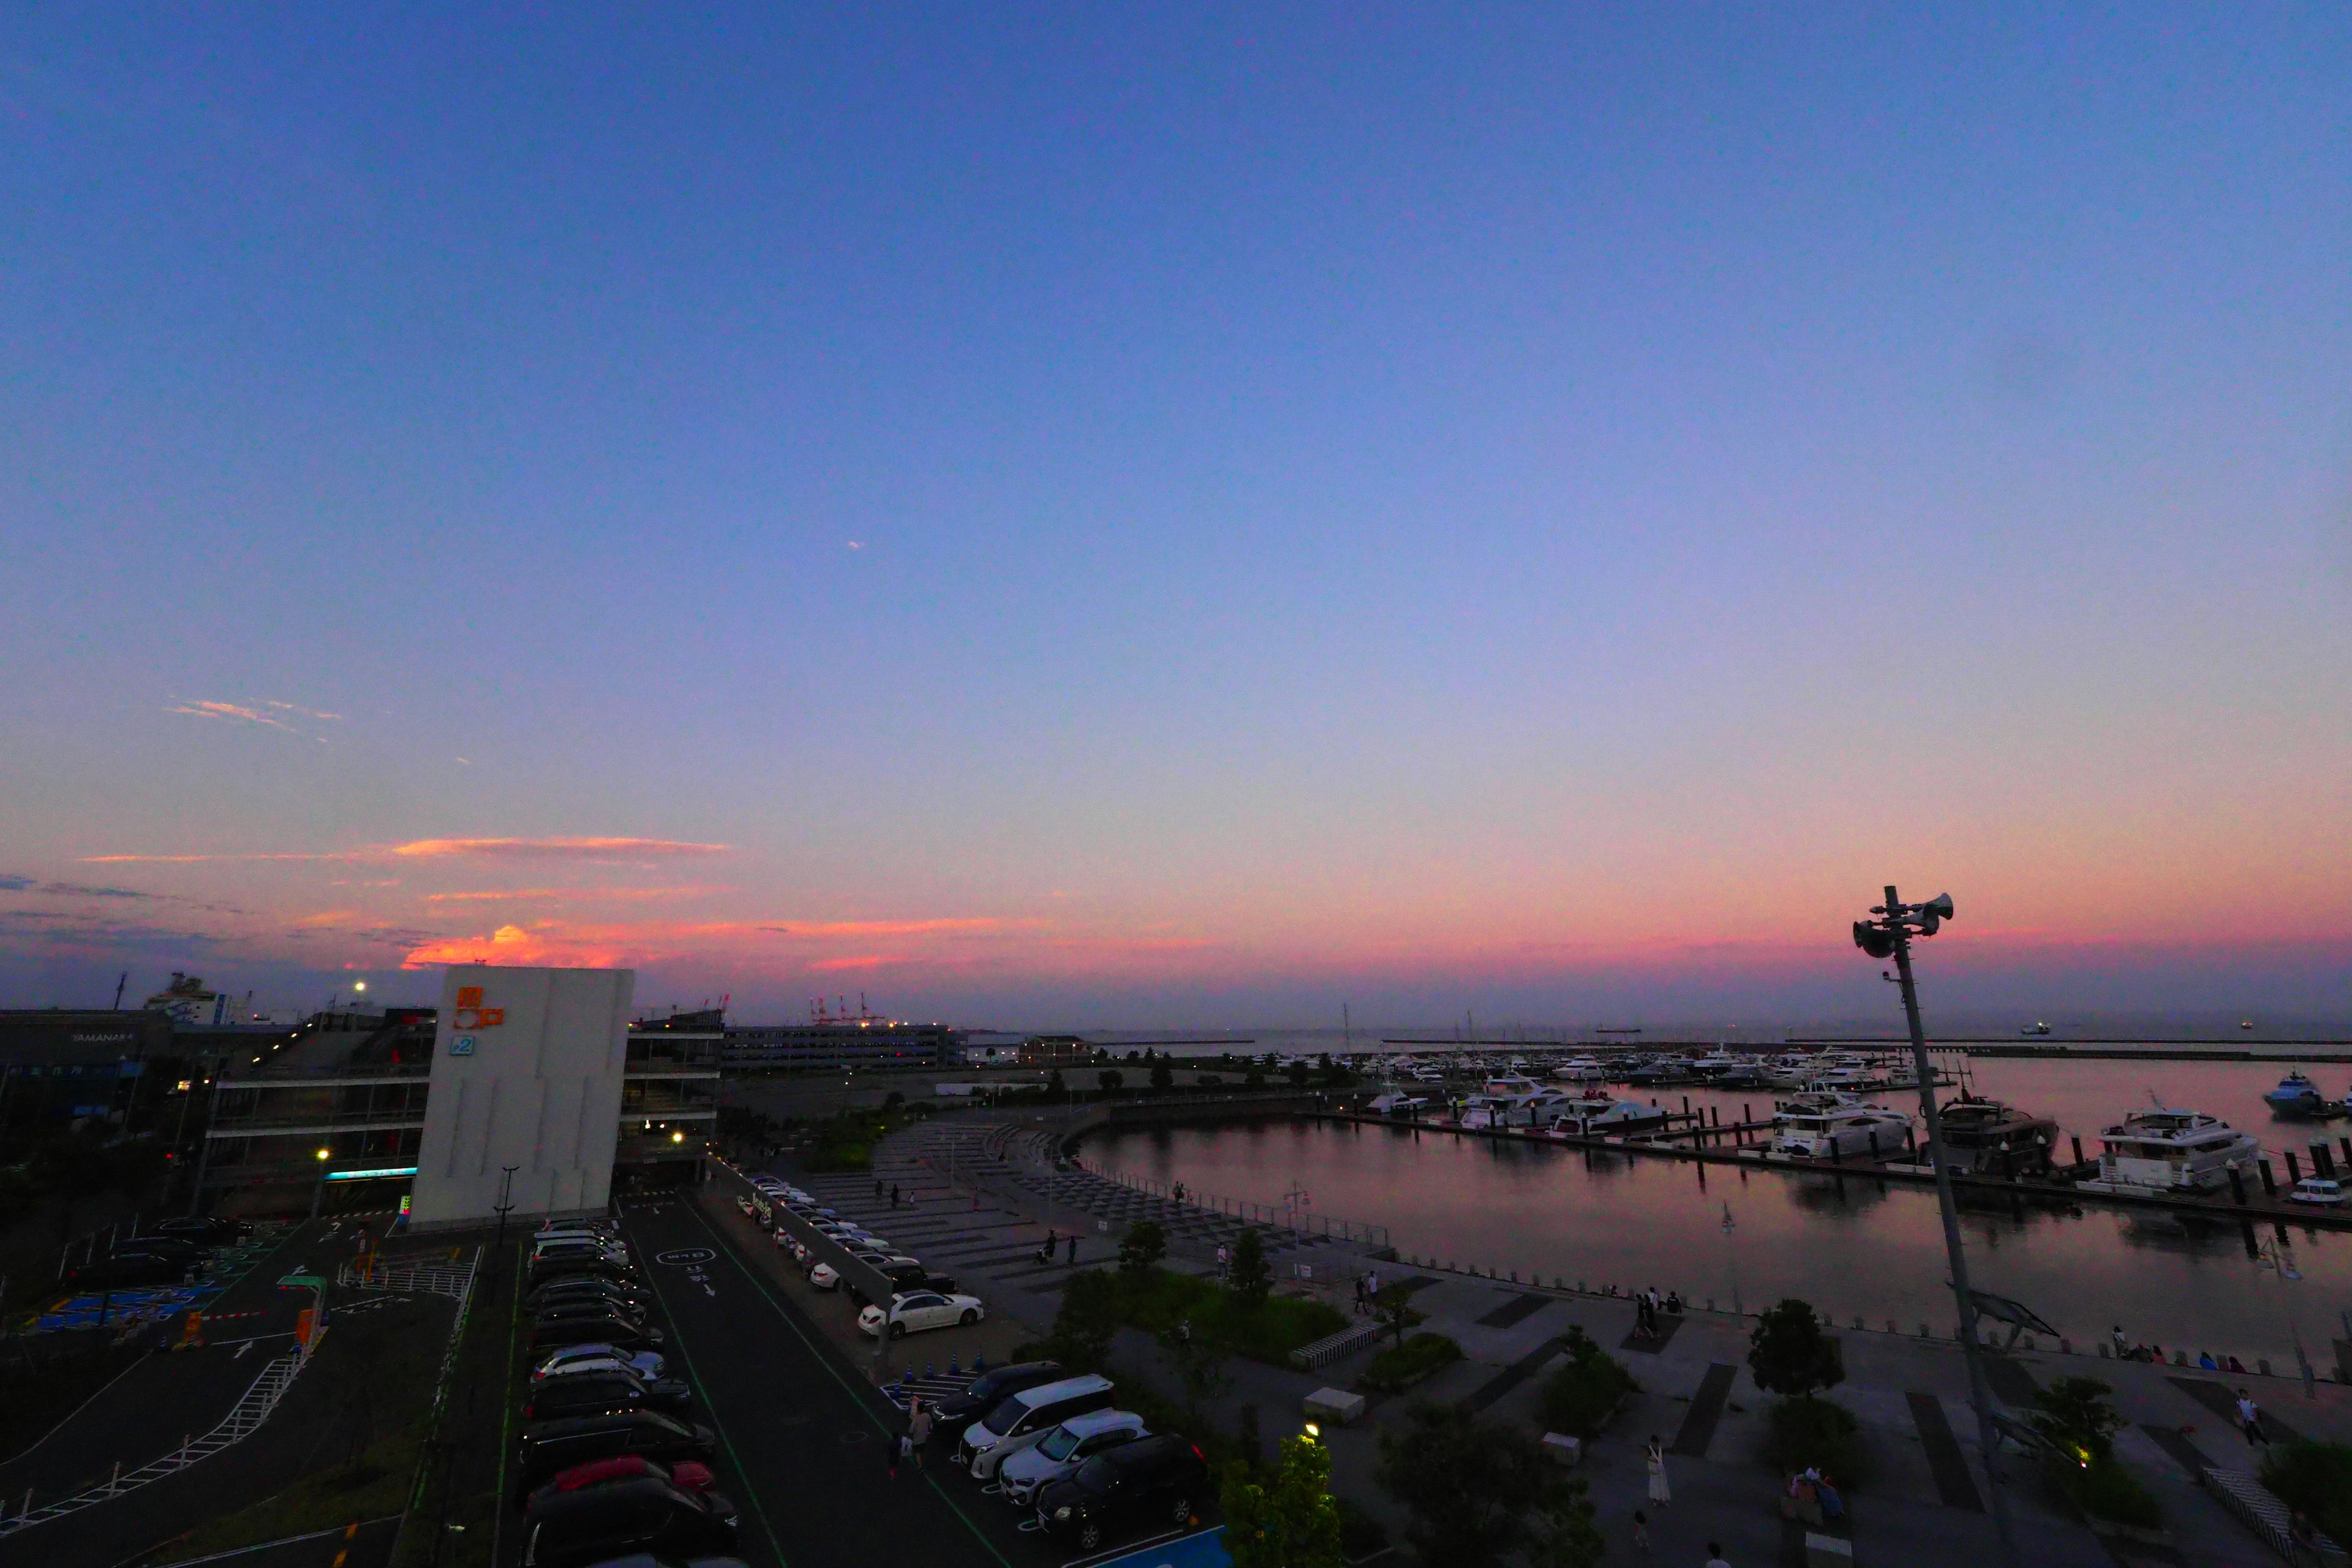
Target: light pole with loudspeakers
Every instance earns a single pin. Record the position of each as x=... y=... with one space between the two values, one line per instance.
x=1890 y=936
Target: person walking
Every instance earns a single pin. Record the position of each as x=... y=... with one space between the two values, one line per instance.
x=2123 y=1346
x=1359 y=1295
x=1655 y=1456
x=1223 y=1263
x=1074 y=1249
x=894 y=1195
x=2250 y=1420
x=1046 y=1253
x=1715 y=1557
x=877 y=1188
x=918 y=1429
x=1640 y=1532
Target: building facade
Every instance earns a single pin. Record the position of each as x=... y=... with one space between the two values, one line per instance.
x=863 y=1042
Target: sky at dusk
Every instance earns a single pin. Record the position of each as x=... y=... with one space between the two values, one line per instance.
x=1182 y=515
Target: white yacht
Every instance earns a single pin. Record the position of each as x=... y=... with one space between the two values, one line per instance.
x=1582 y=1069
x=1584 y=1118
x=1838 y=1128
x=2165 y=1151
x=1399 y=1105
x=1511 y=1086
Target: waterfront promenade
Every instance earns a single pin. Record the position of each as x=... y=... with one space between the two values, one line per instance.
x=1923 y=1504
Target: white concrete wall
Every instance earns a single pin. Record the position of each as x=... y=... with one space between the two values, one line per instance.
x=539 y=1090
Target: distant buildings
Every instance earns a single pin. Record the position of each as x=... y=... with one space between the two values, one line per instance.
x=838 y=1044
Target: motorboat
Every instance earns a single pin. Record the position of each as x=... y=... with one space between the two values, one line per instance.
x=1585 y=1118
x=2167 y=1150
x=1839 y=1131
x=1582 y=1069
x=1985 y=1137
x=2297 y=1095
x=2320 y=1190
x=1511 y=1086
x=2034 y=1030
x=1398 y=1105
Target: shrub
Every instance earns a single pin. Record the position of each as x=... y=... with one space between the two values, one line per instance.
x=1144 y=1246
x=1808 y=1433
x=1481 y=1492
x=1360 y=1534
x=1398 y=1367
x=1579 y=1397
x=1790 y=1355
x=2315 y=1479
x=1248 y=1272
x=2073 y=1413
x=2105 y=1490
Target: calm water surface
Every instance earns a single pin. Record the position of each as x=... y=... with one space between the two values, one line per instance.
x=1849 y=1244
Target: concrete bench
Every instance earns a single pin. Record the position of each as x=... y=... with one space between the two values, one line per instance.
x=1334 y=1406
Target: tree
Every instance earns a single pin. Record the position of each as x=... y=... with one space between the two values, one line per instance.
x=1297 y=1073
x=1289 y=1520
x=1393 y=1310
x=1247 y=1271
x=1087 y=1322
x=1790 y=1355
x=1055 y=1090
x=1478 y=1491
x=1163 y=1077
x=1111 y=1080
x=1142 y=1250
x=2073 y=1413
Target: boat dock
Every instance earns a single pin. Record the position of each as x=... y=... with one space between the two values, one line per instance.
x=1690 y=1138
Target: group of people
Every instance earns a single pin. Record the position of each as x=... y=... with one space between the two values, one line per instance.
x=879 y=1185
x=1811 y=1496
x=1650 y=1311
x=2127 y=1351
x=1053 y=1240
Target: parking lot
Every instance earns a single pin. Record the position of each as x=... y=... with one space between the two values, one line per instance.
x=802 y=1427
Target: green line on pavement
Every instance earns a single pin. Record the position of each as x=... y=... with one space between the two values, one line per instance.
x=721 y=1427
x=727 y=1249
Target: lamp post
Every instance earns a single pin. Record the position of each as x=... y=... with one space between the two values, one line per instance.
x=1889 y=936
x=318 y=1191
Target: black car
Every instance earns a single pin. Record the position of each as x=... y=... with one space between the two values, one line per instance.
x=600 y=1329
x=596 y=1524
x=598 y=1392
x=178 y=1247
x=550 y=1447
x=1155 y=1481
x=579 y=1265
x=950 y=1416
x=588 y=1288
x=205 y=1228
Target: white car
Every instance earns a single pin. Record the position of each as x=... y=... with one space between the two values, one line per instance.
x=825 y=1276
x=570 y=1361
x=914 y=1311
x=1063 y=1450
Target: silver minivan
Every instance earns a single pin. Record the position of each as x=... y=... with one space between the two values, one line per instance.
x=1021 y=1419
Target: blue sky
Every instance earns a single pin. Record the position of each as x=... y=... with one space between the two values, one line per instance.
x=1198 y=511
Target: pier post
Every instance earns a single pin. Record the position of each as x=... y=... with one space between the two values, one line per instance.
x=2237 y=1187
x=2076 y=1141
x=2294 y=1170
x=2270 y=1183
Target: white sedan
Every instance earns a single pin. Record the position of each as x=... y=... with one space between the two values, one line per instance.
x=825 y=1276
x=912 y=1312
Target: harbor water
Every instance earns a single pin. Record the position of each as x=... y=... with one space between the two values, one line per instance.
x=1852 y=1245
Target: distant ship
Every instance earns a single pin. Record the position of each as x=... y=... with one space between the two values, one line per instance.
x=2034 y=1030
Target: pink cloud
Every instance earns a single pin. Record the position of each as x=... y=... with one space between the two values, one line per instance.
x=552 y=848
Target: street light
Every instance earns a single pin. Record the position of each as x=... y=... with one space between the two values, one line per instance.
x=319 y=1193
x=1889 y=936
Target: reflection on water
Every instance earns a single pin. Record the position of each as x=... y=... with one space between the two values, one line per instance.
x=1852 y=1245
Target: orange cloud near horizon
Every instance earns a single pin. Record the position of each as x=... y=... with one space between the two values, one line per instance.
x=559 y=848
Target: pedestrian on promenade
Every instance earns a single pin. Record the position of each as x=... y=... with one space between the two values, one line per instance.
x=894 y=1195
x=1715 y=1558
x=2123 y=1346
x=1654 y=1456
x=1359 y=1295
x=1046 y=1253
x=894 y=1447
x=1371 y=1288
x=1074 y=1249
x=877 y=1186
x=1222 y=1262
x=918 y=1429
x=2250 y=1419
x=1640 y=1532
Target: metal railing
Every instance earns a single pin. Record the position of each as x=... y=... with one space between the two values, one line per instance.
x=1281 y=1215
x=1331 y=1347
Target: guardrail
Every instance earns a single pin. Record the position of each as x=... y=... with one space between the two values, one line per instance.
x=2261 y=1510
x=1278 y=1215
x=1331 y=1347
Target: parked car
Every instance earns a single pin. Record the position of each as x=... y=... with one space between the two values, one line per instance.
x=907 y=1274
x=550 y=1448
x=1154 y=1482
x=1061 y=1451
x=1021 y=1419
x=910 y=1312
x=588 y=1288
x=596 y=1358
x=953 y=1412
x=558 y=1311
x=205 y=1228
x=825 y=1276
x=685 y=1475
x=622 y=1333
x=570 y=1266
x=594 y=1394
x=597 y=1523
x=178 y=1249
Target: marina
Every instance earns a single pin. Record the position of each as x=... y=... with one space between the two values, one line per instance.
x=1702 y=1206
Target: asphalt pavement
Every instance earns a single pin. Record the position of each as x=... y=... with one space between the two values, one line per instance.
x=804 y=1432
